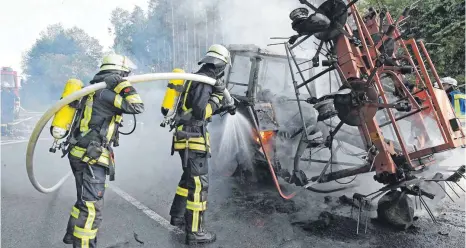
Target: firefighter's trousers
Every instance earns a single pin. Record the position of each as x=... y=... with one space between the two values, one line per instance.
x=191 y=195
x=86 y=214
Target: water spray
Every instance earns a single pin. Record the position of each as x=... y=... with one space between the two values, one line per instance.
x=86 y=91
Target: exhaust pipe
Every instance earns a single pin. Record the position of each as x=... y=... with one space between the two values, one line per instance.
x=86 y=91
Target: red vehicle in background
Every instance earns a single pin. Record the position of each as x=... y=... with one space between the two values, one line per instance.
x=10 y=86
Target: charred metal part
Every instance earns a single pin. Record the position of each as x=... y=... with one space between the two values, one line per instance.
x=316 y=76
x=418 y=193
x=333 y=162
x=363 y=204
x=299 y=178
x=350 y=106
x=452 y=189
x=299 y=151
x=342 y=174
x=455 y=177
x=390 y=178
x=326 y=110
x=416 y=190
x=402 y=106
x=299 y=14
x=266 y=116
x=315 y=59
x=305 y=25
x=288 y=52
x=328 y=143
x=334 y=11
x=299 y=42
x=308 y=4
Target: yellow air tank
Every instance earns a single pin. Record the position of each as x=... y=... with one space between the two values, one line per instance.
x=174 y=89
x=63 y=119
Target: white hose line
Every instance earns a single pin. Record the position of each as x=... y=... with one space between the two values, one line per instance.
x=85 y=91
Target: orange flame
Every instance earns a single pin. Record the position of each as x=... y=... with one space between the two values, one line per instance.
x=265 y=136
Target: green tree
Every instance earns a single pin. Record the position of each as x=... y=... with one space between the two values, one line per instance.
x=441 y=24
x=173 y=33
x=57 y=55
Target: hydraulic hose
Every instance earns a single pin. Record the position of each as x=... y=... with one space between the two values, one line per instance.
x=271 y=169
x=85 y=91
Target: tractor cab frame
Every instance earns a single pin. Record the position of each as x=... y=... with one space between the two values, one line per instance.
x=260 y=81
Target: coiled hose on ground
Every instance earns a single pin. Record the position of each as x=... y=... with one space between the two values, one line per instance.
x=85 y=91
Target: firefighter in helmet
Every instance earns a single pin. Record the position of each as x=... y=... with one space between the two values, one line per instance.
x=449 y=85
x=198 y=103
x=456 y=97
x=90 y=151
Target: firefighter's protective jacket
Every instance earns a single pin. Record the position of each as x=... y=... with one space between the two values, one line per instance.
x=458 y=101
x=102 y=116
x=198 y=104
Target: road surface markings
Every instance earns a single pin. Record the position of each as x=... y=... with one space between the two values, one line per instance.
x=10 y=142
x=13 y=142
x=149 y=212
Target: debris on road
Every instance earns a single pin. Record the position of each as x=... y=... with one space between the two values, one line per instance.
x=137 y=239
x=330 y=226
x=443 y=234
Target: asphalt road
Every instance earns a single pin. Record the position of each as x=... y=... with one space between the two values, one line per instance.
x=242 y=214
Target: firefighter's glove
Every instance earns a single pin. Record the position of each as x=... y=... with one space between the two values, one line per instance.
x=112 y=81
x=219 y=87
x=216 y=98
x=231 y=109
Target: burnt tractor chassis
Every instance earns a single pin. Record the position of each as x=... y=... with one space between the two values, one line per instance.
x=364 y=55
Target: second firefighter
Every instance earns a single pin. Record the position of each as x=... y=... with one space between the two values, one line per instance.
x=198 y=103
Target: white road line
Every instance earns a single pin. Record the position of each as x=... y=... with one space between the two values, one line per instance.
x=149 y=212
x=14 y=142
x=10 y=142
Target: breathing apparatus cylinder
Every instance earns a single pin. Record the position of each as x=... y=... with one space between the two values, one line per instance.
x=174 y=89
x=63 y=119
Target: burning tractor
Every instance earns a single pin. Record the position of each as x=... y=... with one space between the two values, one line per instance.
x=386 y=104
x=259 y=81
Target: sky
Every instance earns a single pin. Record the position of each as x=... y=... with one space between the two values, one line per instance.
x=21 y=22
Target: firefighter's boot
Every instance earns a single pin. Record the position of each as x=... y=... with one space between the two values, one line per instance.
x=68 y=239
x=200 y=237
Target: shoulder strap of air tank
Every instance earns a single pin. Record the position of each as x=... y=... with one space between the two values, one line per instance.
x=181 y=103
x=72 y=140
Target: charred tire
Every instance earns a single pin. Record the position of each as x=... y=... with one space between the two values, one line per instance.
x=396 y=209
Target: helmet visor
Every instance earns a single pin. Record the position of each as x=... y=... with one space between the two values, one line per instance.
x=217 y=62
x=129 y=64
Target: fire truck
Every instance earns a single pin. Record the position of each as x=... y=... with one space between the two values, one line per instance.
x=10 y=86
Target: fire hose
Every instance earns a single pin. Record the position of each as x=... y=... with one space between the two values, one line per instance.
x=86 y=91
